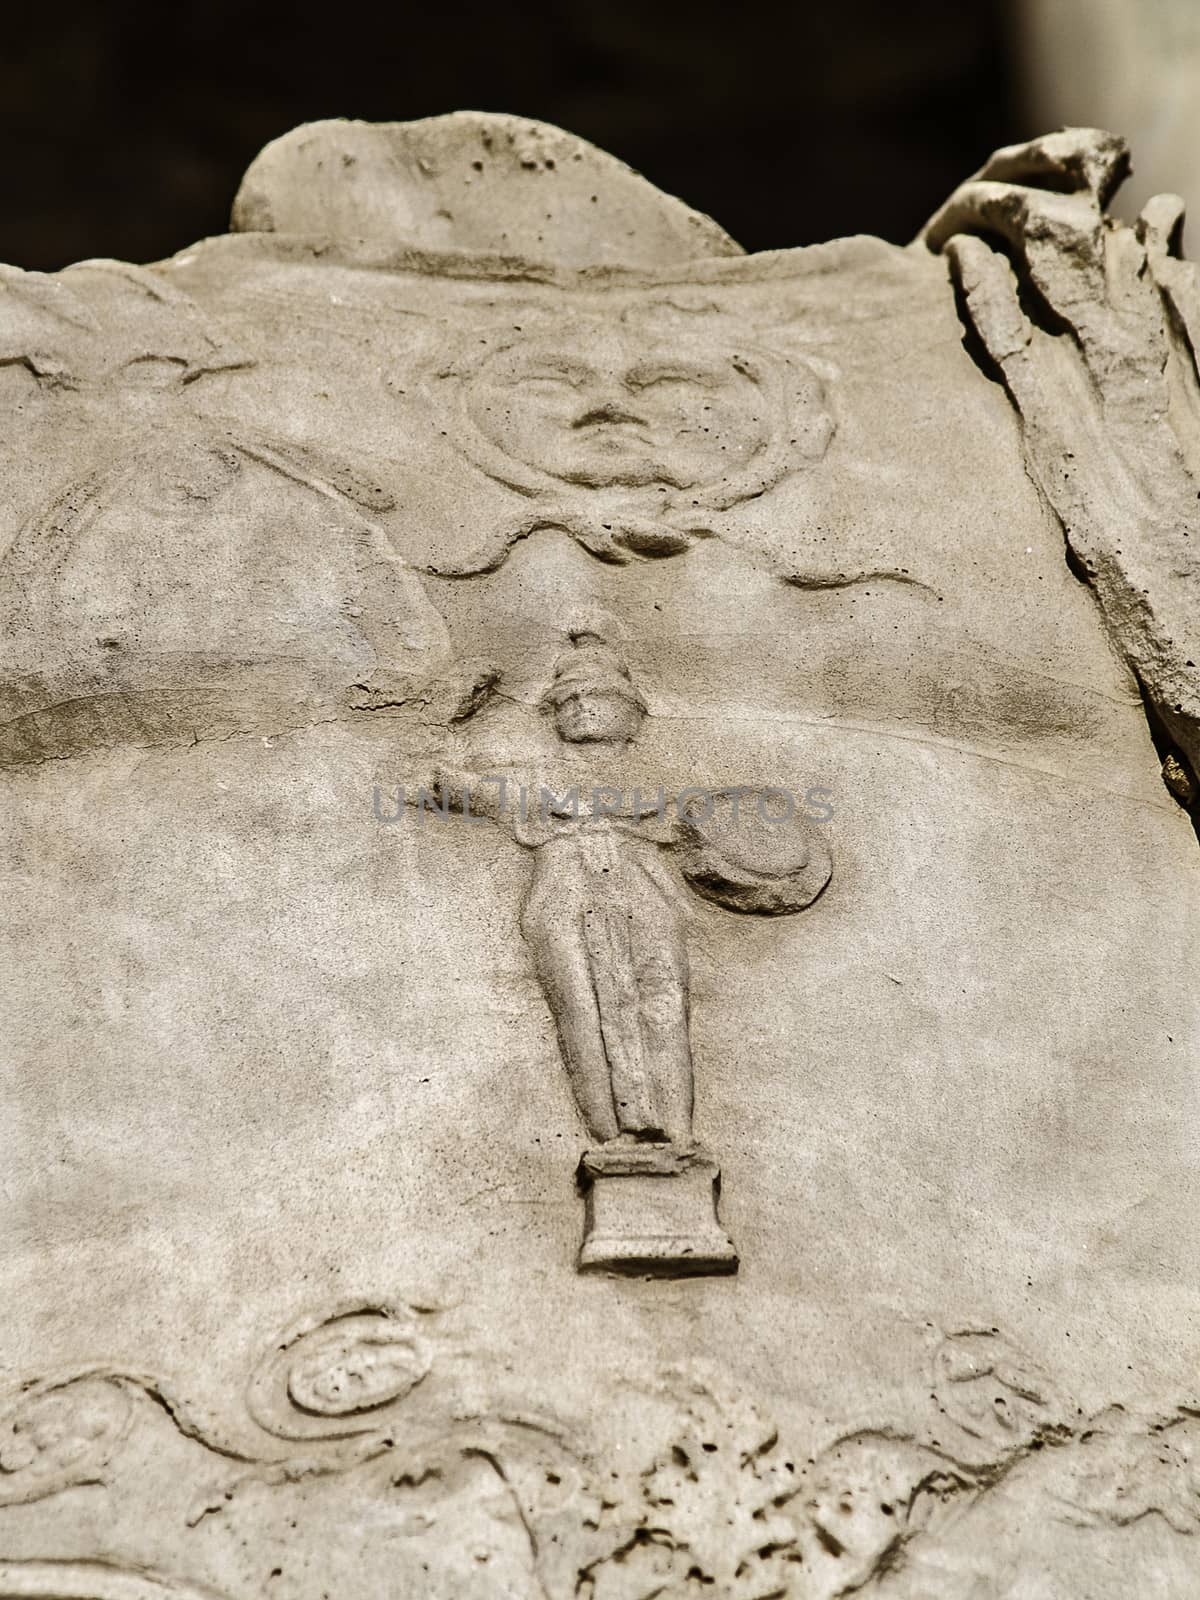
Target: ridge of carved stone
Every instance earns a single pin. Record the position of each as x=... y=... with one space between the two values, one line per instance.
x=887 y=267
x=473 y=181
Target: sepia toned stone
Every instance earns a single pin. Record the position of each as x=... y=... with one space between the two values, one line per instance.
x=600 y=893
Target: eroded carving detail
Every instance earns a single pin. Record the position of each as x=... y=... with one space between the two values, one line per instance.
x=1093 y=329
x=721 y=1504
x=107 y=328
x=191 y=664
x=706 y=1511
x=991 y=1391
x=327 y=1396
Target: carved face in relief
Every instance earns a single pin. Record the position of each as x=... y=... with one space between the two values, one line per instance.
x=685 y=410
x=614 y=411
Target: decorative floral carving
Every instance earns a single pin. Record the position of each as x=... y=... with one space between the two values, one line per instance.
x=59 y=1434
x=349 y=1372
x=1124 y=1469
x=328 y=1372
x=719 y=1505
x=992 y=1391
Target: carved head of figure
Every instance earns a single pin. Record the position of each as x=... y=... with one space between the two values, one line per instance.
x=592 y=696
x=648 y=407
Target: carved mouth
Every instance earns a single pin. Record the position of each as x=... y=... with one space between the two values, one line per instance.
x=614 y=436
x=612 y=426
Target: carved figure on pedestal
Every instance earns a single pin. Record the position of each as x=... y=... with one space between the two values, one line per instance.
x=604 y=922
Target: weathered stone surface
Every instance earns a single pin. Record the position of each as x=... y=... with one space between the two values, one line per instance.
x=471 y=181
x=541 y=772
x=1095 y=336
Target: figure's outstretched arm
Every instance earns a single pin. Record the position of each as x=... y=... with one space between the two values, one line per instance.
x=462 y=789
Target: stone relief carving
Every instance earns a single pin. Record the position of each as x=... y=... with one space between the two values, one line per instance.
x=1093 y=327
x=721 y=1502
x=329 y=1374
x=636 y=438
x=603 y=924
x=633 y=433
x=61 y=1433
x=107 y=329
x=90 y=1580
x=333 y=1387
x=195 y=667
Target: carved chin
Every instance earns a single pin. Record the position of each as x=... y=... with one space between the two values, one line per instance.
x=596 y=719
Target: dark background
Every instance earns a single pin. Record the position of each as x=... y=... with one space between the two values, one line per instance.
x=126 y=127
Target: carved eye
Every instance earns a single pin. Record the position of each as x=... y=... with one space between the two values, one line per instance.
x=551 y=383
x=664 y=379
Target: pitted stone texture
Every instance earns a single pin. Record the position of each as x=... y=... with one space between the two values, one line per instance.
x=470 y=181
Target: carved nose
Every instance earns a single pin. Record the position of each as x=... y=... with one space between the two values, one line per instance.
x=609 y=411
